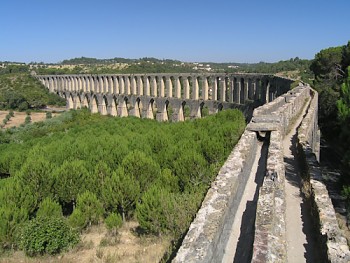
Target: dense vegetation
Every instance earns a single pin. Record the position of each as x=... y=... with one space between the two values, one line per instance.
x=81 y=169
x=20 y=91
x=331 y=70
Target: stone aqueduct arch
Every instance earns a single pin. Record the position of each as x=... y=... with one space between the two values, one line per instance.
x=153 y=95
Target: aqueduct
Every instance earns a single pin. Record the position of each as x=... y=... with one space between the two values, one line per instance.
x=222 y=230
x=152 y=95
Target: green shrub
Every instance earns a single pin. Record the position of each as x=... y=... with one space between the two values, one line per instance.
x=187 y=111
x=48 y=115
x=161 y=211
x=23 y=106
x=49 y=208
x=28 y=120
x=90 y=207
x=113 y=222
x=11 y=113
x=205 y=111
x=153 y=210
x=77 y=220
x=49 y=235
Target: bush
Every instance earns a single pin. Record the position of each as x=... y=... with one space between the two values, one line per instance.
x=11 y=113
x=77 y=220
x=163 y=212
x=23 y=106
x=90 y=207
x=49 y=235
x=49 y=208
x=48 y=115
x=113 y=222
x=28 y=120
x=154 y=211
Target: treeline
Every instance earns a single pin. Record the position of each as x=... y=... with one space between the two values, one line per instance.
x=92 y=61
x=300 y=66
x=294 y=67
x=80 y=169
x=20 y=91
x=332 y=81
x=8 y=69
x=134 y=68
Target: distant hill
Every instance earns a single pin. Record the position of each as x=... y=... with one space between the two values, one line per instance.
x=94 y=61
x=20 y=91
x=294 y=68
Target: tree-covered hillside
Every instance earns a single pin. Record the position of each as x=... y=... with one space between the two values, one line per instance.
x=20 y=91
x=332 y=80
x=294 y=67
x=81 y=169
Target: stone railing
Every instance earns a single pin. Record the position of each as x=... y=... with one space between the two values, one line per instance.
x=333 y=246
x=208 y=234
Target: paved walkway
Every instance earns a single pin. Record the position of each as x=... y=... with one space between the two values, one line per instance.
x=300 y=242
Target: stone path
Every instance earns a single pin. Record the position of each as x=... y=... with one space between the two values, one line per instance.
x=300 y=242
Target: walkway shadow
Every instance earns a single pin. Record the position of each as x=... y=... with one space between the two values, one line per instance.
x=293 y=176
x=244 y=250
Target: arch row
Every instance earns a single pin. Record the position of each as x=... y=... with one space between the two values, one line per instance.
x=161 y=109
x=234 y=88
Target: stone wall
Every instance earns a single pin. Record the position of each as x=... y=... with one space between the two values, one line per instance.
x=207 y=236
x=270 y=229
x=270 y=241
x=333 y=245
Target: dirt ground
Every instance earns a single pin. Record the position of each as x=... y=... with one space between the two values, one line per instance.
x=19 y=118
x=97 y=246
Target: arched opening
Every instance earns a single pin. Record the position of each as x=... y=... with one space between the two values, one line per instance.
x=267 y=91
x=204 y=110
x=123 y=107
x=104 y=106
x=220 y=107
x=85 y=102
x=184 y=112
x=150 y=110
x=70 y=102
x=138 y=106
x=243 y=91
x=112 y=109
x=77 y=102
x=168 y=111
x=94 y=105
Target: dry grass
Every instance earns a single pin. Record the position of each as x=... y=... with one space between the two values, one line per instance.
x=19 y=118
x=97 y=246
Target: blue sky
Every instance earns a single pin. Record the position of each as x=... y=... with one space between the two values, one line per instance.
x=187 y=30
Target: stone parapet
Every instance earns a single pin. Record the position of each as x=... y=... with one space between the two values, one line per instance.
x=270 y=228
x=207 y=236
x=333 y=245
